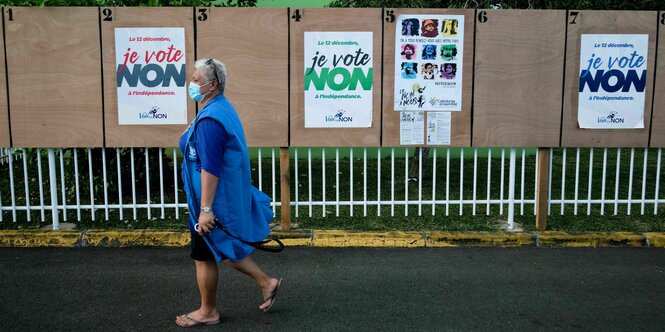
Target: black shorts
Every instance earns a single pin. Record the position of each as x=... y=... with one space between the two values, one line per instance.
x=200 y=249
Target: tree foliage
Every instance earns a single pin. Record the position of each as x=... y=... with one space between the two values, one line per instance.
x=508 y=4
x=133 y=3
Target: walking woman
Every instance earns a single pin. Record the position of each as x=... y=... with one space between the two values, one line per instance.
x=216 y=176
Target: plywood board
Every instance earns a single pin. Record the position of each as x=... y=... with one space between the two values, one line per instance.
x=53 y=64
x=519 y=77
x=329 y=19
x=256 y=63
x=658 y=123
x=4 y=110
x=460 y=121
x=125 y=17
x=604 y=22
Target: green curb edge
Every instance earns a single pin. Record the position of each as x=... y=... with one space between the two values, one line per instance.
x=337 y=238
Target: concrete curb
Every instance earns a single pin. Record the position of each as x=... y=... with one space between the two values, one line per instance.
x=484 y=239
x=337 y=238
x=595 y=239
x=138 y=238
x=34 y=238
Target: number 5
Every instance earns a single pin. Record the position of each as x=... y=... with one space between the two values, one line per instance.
x=390 y=16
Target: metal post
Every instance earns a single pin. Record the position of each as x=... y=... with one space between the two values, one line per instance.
x=511 y=189
x=54 y=189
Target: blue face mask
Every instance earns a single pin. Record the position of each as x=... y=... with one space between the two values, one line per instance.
x=195 y=91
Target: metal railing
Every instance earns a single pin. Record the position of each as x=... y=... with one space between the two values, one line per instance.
x=136 y=183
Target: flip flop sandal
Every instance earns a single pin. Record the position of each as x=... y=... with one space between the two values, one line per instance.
x=198 y=322
x=271 y=298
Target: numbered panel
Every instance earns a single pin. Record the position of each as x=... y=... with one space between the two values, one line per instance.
x=4 y=112
x=253 y=43
x=124 y=17
x=519 y=77
x=333 y=20
x=604 y=22
x=658 y=124
x=460 y=126
x=53 y=64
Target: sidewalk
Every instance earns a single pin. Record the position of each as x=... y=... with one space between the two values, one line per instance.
x=335 y=238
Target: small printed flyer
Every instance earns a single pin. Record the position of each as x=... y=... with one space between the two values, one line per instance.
x=613 y=80
x=411 y=128
x=428 y=62
x=438 y=128
x=338 y=79
x=151 y=76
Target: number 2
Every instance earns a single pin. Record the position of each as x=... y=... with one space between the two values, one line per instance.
x=108 y=14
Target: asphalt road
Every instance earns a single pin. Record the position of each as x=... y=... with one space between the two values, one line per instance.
x=354 y=289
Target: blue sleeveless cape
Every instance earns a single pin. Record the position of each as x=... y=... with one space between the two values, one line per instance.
x=243 y=209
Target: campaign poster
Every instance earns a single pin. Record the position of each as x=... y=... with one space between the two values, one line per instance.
x=428 y=62
x=438 y=128
x=151 y=76
x=338 y=79
x=411 y=128
x=613 y=79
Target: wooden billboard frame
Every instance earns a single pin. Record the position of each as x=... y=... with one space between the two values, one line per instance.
x=53 y=68
x=460 y=135
x=657 y=137
x=604 y=22
x=144 y=17
x=79 y=117
x=257 y=66
x=333 y=19
x=528 y=102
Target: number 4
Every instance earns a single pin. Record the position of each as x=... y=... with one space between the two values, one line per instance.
x=296 y=15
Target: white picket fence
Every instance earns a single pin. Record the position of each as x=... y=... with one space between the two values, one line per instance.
x=67 y=184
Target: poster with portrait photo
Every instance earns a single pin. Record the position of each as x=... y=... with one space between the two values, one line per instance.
x=428 y=62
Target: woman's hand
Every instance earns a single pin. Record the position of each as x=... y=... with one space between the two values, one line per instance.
x=206 y=222
x=208 y=187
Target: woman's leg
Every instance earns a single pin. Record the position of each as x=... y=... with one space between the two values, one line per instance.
x=267 y=283
x=206 y=277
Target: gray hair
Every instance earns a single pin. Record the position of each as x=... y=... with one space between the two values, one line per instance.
x=212 y=69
